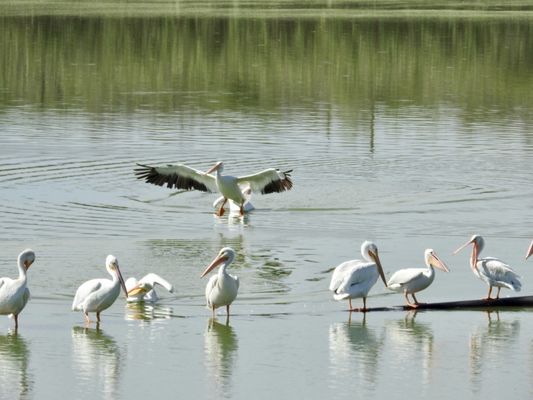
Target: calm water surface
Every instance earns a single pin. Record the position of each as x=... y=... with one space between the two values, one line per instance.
x=412 y=132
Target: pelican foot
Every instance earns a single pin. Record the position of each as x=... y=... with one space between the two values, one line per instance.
x=362 y=309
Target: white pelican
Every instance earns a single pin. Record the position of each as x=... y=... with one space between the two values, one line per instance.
x=413 y=280
x=14 y=294
x=492 y=271
x=183 y=177
x=222 y=288
x=234 y=207
x=144 y=288
x=96 y=295
x=530 y=250
x=354 y=279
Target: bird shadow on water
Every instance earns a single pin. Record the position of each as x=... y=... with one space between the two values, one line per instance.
x=14 y=375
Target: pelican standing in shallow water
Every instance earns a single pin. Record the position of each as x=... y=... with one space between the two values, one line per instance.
x=529 y=250
x=492 y=271
x=354 y=279
x=96 y=295
x=144 y=288
x=413 y=280
x=183 y=177
x=222 y=288
x=14 y=293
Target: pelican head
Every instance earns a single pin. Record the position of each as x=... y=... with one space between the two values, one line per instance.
x=26 y=258
x=478 y=243
x=434 y=261
x=530 y=250
x=225 y=256
x=369 y=251
x=219 y=167
x=111 y=264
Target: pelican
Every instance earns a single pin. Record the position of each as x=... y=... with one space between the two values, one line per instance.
x=234 y=207
x=14 y=293
x=96 y=295
x=183 y=177
x=354 y=279
x=144 y=288
x=492 y=271
x=530 y=250
x=222 y=288
x=413 y=280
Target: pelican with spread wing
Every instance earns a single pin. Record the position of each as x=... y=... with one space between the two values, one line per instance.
x=144 y=288
x=180 y=176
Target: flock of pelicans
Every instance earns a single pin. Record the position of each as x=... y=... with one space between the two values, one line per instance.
x=350 y=280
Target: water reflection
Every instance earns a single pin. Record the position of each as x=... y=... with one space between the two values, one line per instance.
x=220 y=346
x=147 y=311
x=96 y=362
x=412 y=343
x=15 y=381
x=354 y=352
x=490 y=345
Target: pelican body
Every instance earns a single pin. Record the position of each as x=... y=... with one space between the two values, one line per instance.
x=221 y=288
x=354 y=279
x=247 y=206
x=413 y=280
x=144 y=288
x=14 y=293
x=183 y=177
x=492 y=271
x=96 y=295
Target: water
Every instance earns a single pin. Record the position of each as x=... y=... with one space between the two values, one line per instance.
x=413 y=132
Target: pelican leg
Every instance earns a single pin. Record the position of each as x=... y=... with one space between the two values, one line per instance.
x=213 y=310
x=407 y=298
x=98 y=317
x=16 y=317
x=490 y=292
x=350 y=302
x=416 y=301
x=227 y=310
x=364 y=309
x=87 y=319
x=220 y=212
x=242 y=208
x=498 y=294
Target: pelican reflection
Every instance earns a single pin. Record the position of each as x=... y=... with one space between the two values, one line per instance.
x=221 y=346
x=15 y=381
x=147 y=311
x=97 y=361
x=354 y=350
x=490 y=344
x=412 y=343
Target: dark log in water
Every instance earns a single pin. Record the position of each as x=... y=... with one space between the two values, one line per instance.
x=522 y=301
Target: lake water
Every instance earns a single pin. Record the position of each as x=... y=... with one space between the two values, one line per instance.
x=407 y=125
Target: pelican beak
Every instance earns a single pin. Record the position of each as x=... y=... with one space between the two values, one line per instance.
x=530 y=250
x=375 y=257
x=438 y=263
x=217 y=261
x=136 y=290
x=463 y=246
x=121 y=280
x=213 y=168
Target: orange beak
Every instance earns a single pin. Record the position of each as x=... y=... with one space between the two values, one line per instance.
x=216 y=262
x=376 y=259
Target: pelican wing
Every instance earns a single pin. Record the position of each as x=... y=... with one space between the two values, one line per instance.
x=268 y=181
x=404 y=277
x=357 y=275
x=177 y=176
x=498 y=271
x=152 y=279
x=340 y=272
x=84 y=291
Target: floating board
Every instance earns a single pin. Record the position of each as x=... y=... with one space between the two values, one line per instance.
x=521 y=301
